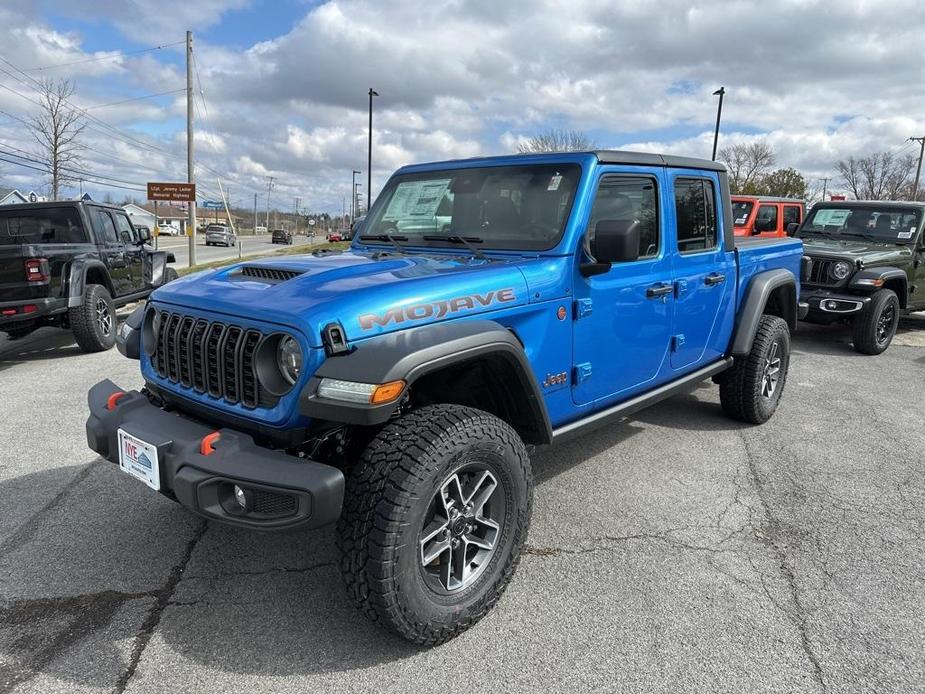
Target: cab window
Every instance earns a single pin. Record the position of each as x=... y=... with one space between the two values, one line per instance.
x=124 y=227
x=105 y=227
x=767 y=218
x=695 y=208
x=629 y=200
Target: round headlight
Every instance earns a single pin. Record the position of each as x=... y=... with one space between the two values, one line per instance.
x=289 y=357
x=841 y=270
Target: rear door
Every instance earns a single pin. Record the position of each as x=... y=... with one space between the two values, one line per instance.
x=112 y=250
x=704 y=272
x=767 y=219
x=793 y=214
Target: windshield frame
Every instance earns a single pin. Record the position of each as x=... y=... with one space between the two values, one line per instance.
x=870 y=234
x=571 y=171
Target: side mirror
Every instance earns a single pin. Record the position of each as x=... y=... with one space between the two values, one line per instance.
x=145 y=235
x=792 y=228
x=615 y=241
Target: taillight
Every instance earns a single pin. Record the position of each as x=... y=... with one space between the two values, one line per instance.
x=36 y=270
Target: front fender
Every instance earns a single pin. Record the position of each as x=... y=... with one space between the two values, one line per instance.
x=873 y=278
x=410 y=354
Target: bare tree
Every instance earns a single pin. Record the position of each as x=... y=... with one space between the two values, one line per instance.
x=56 y=128
x=747 y=164
x=557 y=141
x=879 y=176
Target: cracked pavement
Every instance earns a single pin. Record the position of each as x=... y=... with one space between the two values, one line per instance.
x=676 y=551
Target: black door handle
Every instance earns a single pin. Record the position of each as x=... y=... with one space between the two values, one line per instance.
x=658 y=290
x=714 y=278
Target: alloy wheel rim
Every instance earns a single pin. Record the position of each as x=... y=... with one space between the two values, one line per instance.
x=885 y=323
x=771 y=373
x=103 y=317
x=461 y=530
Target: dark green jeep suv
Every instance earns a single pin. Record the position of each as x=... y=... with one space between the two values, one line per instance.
x=864 y=263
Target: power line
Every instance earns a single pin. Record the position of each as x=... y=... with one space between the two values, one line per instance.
x=111 y=56
x=134 y=98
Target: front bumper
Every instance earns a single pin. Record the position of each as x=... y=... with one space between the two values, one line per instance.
x=289 y=492
x=825 y=302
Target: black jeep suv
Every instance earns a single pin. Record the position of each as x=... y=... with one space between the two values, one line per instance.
x=865 y=265
x=71 y=264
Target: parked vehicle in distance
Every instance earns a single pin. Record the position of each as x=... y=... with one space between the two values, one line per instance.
x=71 y=264
x=260 y=230
x=220 y=235
x=281 y=236
x=167 y=229
x=395 y=387
x=756 y=215
x=865 y=267
x=335 y=236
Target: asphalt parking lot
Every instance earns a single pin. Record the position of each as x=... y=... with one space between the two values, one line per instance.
x=678 y=551
x=247 y=245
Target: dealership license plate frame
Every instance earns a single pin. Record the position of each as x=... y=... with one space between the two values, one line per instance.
x=139 y=459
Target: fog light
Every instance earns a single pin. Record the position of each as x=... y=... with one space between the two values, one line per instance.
x=244 y=497
x=831 y=305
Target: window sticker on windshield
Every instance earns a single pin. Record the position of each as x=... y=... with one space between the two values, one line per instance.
x=554 y=182
x=416 y=199
x=741 y=220
x=906 y=234
x=830 y=217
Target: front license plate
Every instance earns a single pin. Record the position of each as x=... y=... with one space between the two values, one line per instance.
x=139 y=459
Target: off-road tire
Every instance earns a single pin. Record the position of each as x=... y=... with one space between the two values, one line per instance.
x=867 y=328
x=170 y=274
x=85 y=324
x=387 y=498
x=742 y=388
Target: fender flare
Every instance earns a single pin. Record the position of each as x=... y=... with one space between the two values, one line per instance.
x=759 y=292
x=887 y=274
x=410 y=354
x=77 y=279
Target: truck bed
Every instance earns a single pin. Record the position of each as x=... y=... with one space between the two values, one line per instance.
x=759 y=253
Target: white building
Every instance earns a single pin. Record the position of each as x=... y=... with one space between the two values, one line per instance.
x=11 y=196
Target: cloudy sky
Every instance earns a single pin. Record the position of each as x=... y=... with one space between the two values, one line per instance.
x=284 y=83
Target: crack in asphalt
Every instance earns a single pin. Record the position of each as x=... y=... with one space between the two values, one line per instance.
x=162 y=597
x=798 y=616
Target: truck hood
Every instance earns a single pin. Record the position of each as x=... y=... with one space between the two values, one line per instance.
x=871 y=253
x=367 y=293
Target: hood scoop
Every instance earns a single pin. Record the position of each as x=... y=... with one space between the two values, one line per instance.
x=269 y=275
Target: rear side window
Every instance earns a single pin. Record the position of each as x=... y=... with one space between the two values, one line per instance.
x=792 y=215
x=695 y=207
x=105 y=226
x=51 y=225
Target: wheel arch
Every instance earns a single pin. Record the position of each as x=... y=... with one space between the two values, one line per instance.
x=82 y=273
x=478 y=363
x=772 y=292
x=892 y=278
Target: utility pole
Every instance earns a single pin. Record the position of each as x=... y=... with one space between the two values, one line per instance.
x=255 y=214
x=297 y=201
x=918 y=170
x=369 y=158
x=719 y=113
x=825 y=183
x=269 y=189
x=190 y=169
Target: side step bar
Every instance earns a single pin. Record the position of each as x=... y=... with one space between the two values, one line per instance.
x=640 y=402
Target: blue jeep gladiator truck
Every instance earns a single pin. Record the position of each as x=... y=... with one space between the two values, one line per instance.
x=485 y=307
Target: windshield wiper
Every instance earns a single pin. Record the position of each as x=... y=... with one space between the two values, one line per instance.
x=391 y=238
x=466 y=241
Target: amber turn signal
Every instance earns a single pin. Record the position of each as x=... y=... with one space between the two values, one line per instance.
x=387 y=392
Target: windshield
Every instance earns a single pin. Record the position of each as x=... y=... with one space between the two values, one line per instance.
x=740 y=212
x=502 y=207
x=884 y=224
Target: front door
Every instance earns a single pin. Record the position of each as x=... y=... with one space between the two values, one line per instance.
x=134 y=251
x=918 y=277
x=623 y=317
x=113 y=250
x=704 y=274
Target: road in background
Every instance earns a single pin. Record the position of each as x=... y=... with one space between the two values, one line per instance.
x=675 y=552
x=250 y=245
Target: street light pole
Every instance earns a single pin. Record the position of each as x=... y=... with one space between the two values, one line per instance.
x=719 y=113
x=369 y=159
x=190 y=168
x=356 y=196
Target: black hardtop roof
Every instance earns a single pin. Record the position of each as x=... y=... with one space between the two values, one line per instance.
x=872 y=203
x=767 y=198
x=25 y=206
x=608 y=156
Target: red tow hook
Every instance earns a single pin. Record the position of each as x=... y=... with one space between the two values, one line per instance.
x=206 y=446
x=113 y=399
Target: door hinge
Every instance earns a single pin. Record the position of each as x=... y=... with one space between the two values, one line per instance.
x=677 y=342
x=582 y=308
x=582 y=373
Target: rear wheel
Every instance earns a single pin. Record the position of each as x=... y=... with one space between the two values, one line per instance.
x=751 y=390
x=435 y=517
x=875 y=328
x=94 y=323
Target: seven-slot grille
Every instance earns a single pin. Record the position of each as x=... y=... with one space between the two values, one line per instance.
x=819 y=272
x=209 y=356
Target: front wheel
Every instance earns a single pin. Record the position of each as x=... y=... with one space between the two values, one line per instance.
x=751 y=390
x=875 y=328
x=435 y=517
